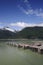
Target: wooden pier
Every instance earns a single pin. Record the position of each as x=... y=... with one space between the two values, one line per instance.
x=35 y=47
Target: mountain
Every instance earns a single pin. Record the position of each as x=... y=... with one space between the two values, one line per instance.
x=31 y=33
x=28 y=33
x=9 y=29
x=6 y=33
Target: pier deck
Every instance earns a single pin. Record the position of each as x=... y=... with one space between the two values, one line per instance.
x=35 y=47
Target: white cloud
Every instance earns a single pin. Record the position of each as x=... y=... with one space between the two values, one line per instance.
x=19 y=24
x=21 y=8
x=37 y=12
x=30 y=11
x=23 y=24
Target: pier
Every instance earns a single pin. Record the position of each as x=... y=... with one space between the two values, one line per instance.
x=36 y=47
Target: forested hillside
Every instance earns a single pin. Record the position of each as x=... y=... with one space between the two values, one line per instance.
x=31 y=32
x=28 y=32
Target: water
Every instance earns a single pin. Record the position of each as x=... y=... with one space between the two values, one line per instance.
x=15 y=56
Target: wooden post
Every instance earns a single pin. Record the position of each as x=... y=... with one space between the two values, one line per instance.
x=39 y=51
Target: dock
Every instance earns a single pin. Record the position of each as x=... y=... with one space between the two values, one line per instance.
x=36 y=47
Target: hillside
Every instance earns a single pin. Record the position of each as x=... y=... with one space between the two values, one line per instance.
x=31 y=33
x=28 y=32
x=6 y=34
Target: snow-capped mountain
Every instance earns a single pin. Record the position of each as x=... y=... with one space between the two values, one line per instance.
x=9 y=29
x=7 y=32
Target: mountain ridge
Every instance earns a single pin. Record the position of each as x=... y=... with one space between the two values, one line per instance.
x=27 y=32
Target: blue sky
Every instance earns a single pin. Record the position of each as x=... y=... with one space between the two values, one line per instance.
x=18 y=14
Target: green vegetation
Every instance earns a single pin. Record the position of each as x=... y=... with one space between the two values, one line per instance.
x=28 y=33
x=31 y=33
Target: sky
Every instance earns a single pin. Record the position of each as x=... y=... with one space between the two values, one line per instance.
x=18 y=14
